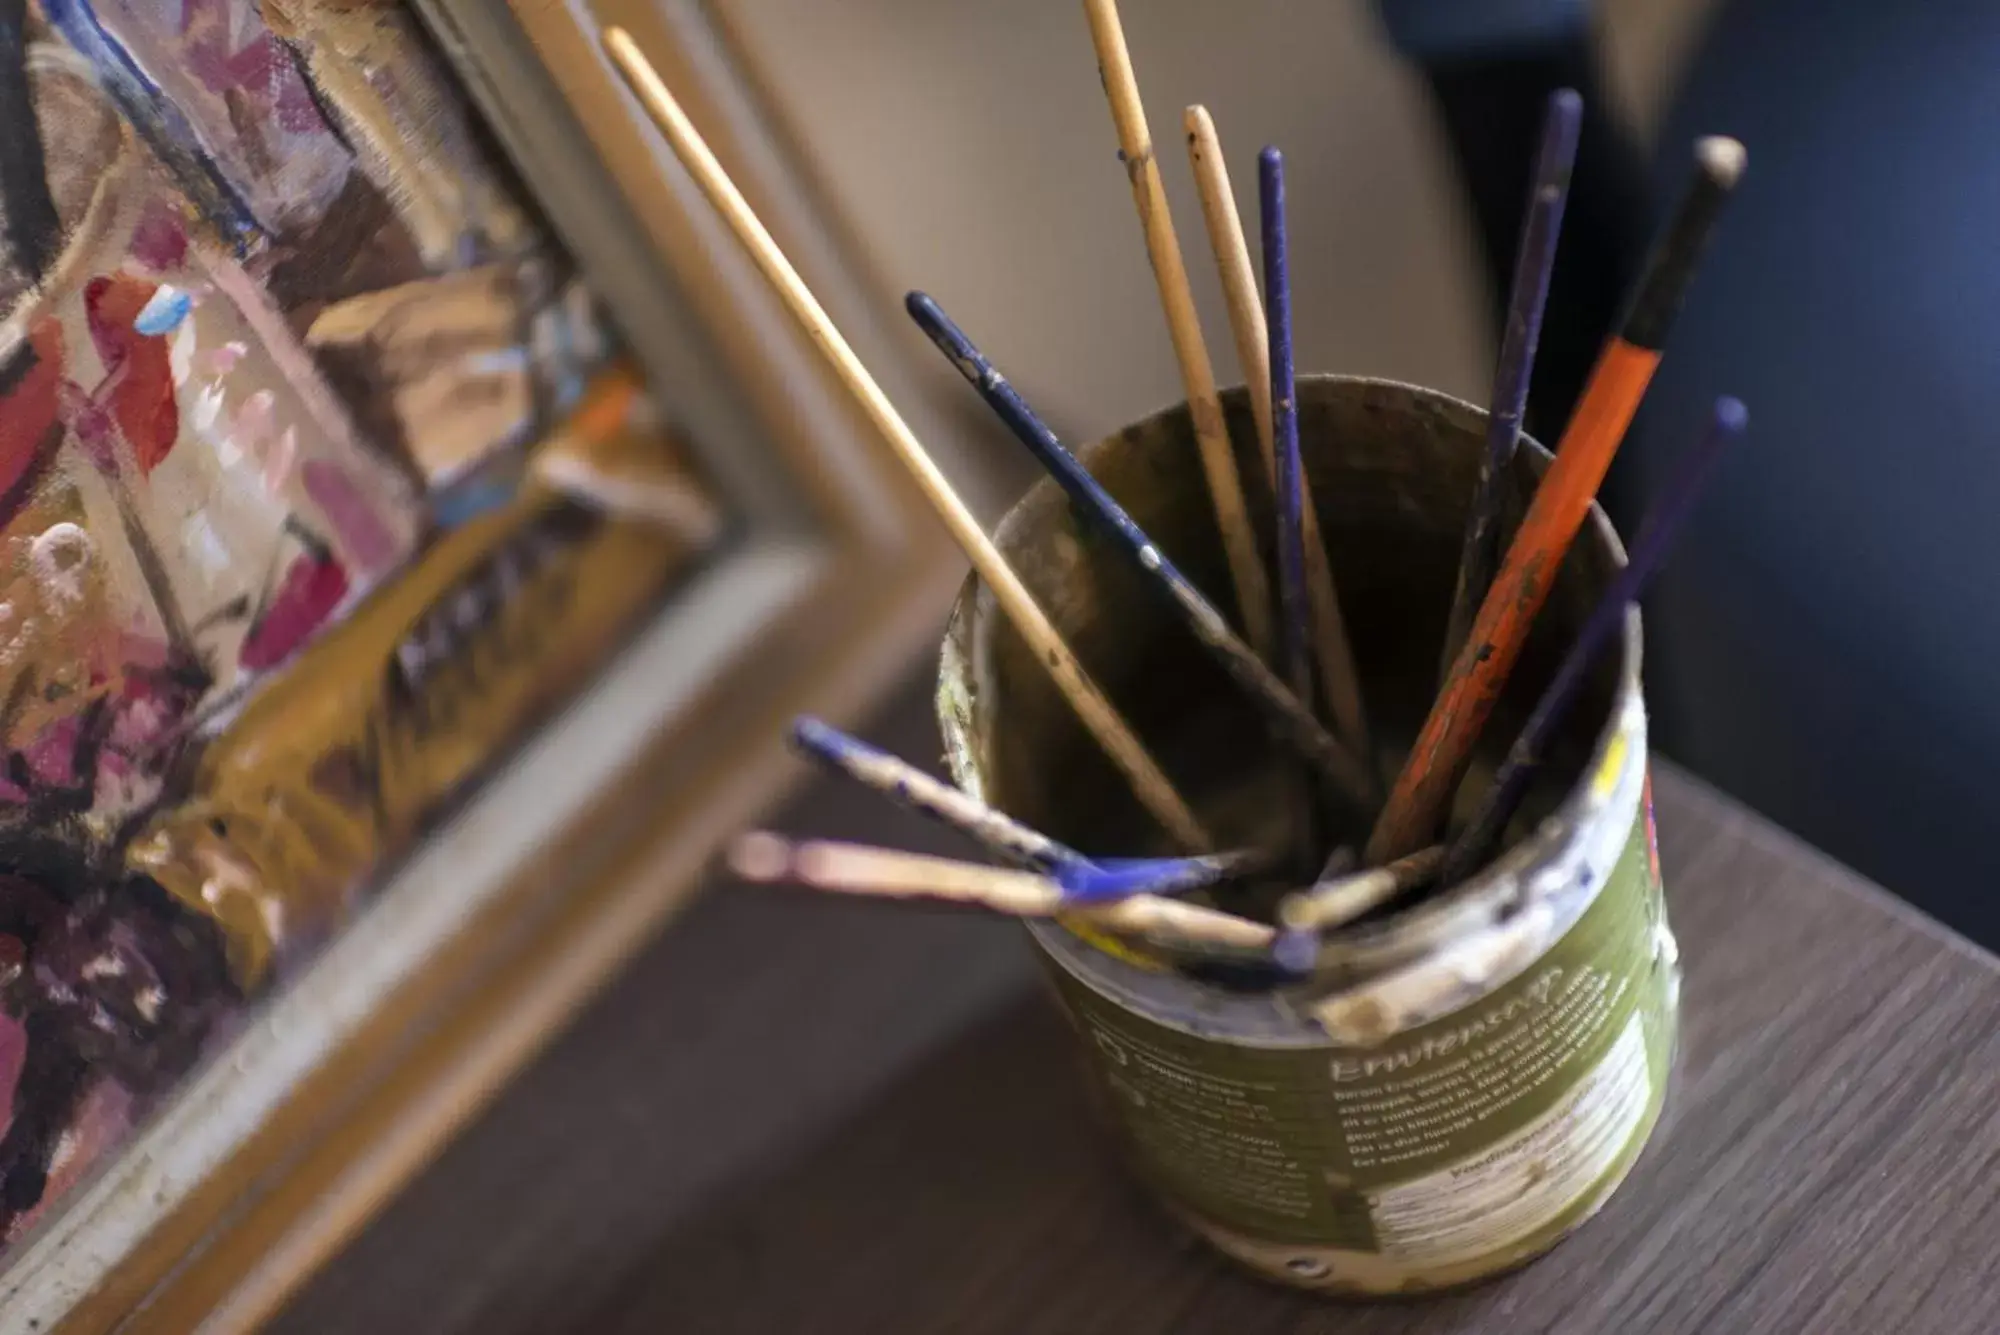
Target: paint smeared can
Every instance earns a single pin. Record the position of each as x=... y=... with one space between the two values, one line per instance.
x=1469 y=1077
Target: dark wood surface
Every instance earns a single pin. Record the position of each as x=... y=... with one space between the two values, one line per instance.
x=800 y=1116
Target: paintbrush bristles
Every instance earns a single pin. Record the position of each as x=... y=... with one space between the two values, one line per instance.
x=858 y=869
x=1149 y=196
x=1534 y=265
x=1291 y=719
x=1099 y=717
x=1339 y=682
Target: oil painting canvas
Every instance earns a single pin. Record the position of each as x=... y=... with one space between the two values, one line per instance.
x=322 y=483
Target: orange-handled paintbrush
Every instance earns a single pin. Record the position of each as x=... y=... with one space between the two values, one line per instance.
x=1437 y=762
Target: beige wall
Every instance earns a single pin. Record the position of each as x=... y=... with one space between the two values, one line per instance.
x=970 y=149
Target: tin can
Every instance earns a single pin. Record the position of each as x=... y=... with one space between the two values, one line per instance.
x=1468 y=1079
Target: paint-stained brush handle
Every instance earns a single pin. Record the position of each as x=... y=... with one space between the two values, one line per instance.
x=1294 y=608
x=1664 y=520
x=1156 y=917
x=1336 y=902
x=1155 y=791
x=1333 y=653
x=1534 y=266
x=1163 y=248
x=1437 y=762
x=1110 y=881
x=1084 y=881
x=1339 y=900
x=858 y=869
x=909 y=787
x=1294 y=621
x=1292 y=722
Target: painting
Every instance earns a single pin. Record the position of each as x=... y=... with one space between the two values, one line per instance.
x=323 y=482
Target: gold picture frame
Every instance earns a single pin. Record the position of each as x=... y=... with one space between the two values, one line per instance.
x=560 y=867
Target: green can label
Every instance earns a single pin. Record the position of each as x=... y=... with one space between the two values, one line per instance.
x=1491 y=1130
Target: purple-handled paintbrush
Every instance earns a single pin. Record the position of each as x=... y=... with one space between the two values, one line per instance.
x=1293 y=630
x=1294 y=607
x=1533 y=265
x=1656 y=534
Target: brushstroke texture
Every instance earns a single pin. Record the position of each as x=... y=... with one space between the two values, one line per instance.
x=369 y=68
x=245 y=99
x=157 y=121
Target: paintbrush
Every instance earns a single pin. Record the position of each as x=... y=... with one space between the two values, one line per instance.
x=1443 y=749
x=1292 y=624
x=1111 y=879
x=158 y=121
x=1333 y=655
x=1293 y=607
x=1149 y=196
x=858 y=869
x=1099 y=716
x=911 y=788
x=1086 y=880
x=1663 y=520
x=1338 y=900
x=1290 y=719
x=1533 y=265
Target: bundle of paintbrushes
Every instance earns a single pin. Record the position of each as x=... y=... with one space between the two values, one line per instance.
x=1269 y=910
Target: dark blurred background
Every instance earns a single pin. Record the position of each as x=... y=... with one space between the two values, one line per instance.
x=1821 y=646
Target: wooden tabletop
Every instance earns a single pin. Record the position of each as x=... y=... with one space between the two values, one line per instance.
x=813 y=1117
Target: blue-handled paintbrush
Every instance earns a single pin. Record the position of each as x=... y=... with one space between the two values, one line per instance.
x=1291 y=721
x=1085 y=881
x=1294 y=625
